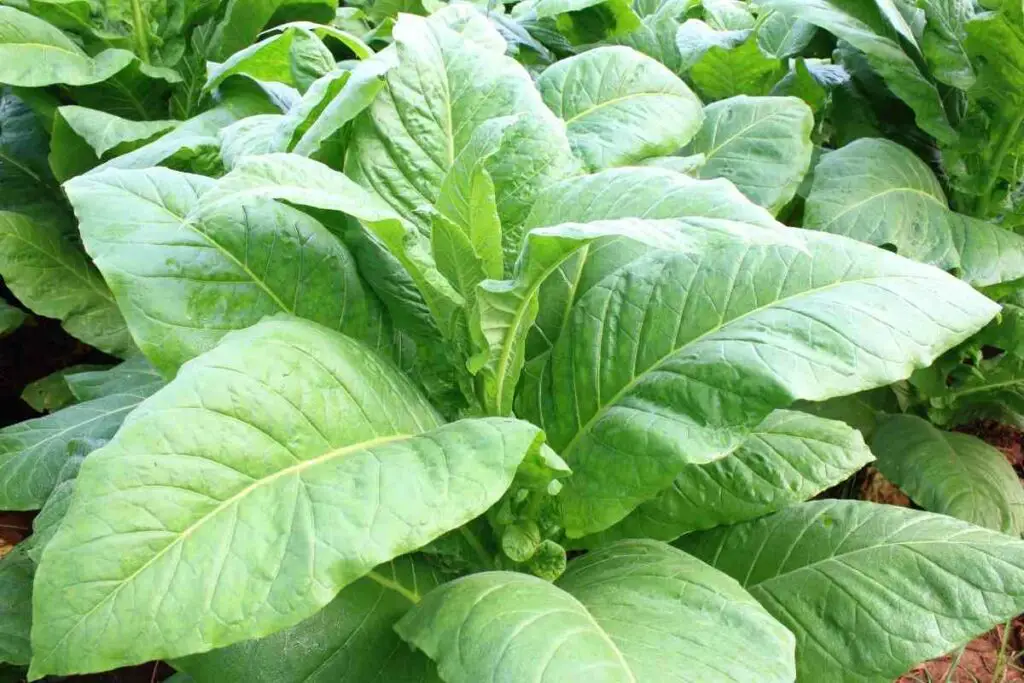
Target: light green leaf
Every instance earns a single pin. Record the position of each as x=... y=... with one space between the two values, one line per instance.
x=46 y=523
x=355 y=469
x=295 y=57
x=404 y=145
x=251 y=136
x=789 y=458
x=132 y=375
x=762 y=144
x=186 y=271
x=635 y=611
x=82 y=137
x=51 y=393
x=16 y=572
x=870 y=590
x=351 y=640
x=194 y=142
x=701 y=344
x=34 y=54
x=33 y=452
x=11 y=318
x=869 y=180
x=582 y=21
x=297 y=180
x=950 y=473
x=620 y=106
x=863 y=25
x=105 y=132
x=780 y=36
x=351 y=41
x=656 y=35
x=47 y=270
x=687 y=165
x=242 y=20
x=695 y=38
x=728 y=15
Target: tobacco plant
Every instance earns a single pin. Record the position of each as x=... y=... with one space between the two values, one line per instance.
x=512 y=343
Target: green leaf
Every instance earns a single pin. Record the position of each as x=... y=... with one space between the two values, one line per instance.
x=695 y=38
x=404 y=145
x=943 y=41
x=251 y=136
x=242 y=20
x=780 y=36
x=82 y=137
x=728 y=15
x=762 y=144
x=186 y=271
x=698 y=345
x=634 y=611
x=351 y=640
x=33 y=452
x=722 y=64
x=16 y=572
x=46 y=523
x=870 y=590
x=355 y=469
x=620 y=106
x=295 y=57
x=582 y=21
x=656 y=35
x=42 y=264
x=949 y=473
x=34 y=54
x=194 y=142
x=788 y=458
x=51 y=393
x=25 y=177
x=129 y=376
x=863 y=25
x=856 y=186
x=11 y=318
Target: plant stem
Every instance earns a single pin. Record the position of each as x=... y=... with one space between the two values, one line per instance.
x=951 y=674
x=478 y=547
x=996 y=164
x=141 y=30
x=1002 y=660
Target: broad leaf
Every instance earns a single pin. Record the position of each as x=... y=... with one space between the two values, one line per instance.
x=697 y=346
x=950 y=473
x=351 y=640
x=728 y=71
x=879 y=192
x=762 y=144
x=33 y=452
x=187 y=271
x=788 y=458
x=16 y=572
x=620 y=106
x=82 y=137
x=406 y=142
x=780 y=36
x=943 y=41
x=636 y=611
x=46 y=523
x=863 y=25
x=42 y=264
x=870 y=590
x=355 y=469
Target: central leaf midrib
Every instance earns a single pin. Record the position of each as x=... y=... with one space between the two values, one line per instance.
x=621 y=98
x=184 y=535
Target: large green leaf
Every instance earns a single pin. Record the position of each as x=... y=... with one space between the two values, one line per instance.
x=354 y=469
x=870 y=590
x=620 y=106
x=33 y=452
x=780 y=36
x=34 y=54
x=725 y=71
x=26 y=184
x=634 y=612
x=351 y=640
x=11 y=318
x=16 y=572
x=672 y=359
x=879 y=192
x=46 y=523
x=442 y=90
x=186 y=271
x=865 y=27
x=788 y=458
x=949 y=473
x=49 y=393
x=656 y=35
x=762 y=144
x=42 y=263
